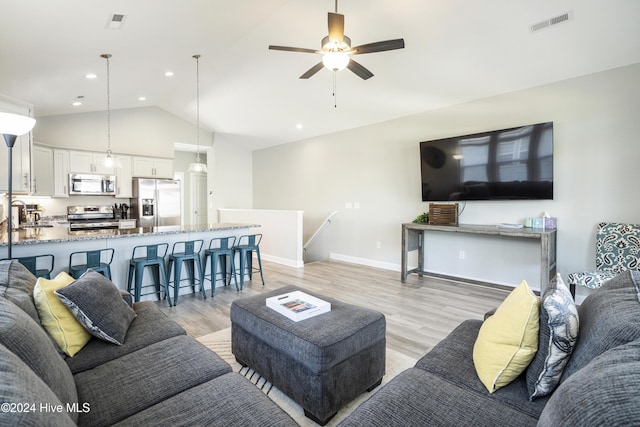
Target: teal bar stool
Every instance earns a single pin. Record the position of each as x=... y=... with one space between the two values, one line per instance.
x=38 y=265
x=98 y=260
x=220 y=247
x=248 y=244
x=187 y=253
x=152 y=256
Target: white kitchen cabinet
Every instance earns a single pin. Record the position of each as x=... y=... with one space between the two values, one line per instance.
x=42 y=171
x=88 y=162
x=60 y=173
x=21 y=154
x=124 y=175
x=150 y=167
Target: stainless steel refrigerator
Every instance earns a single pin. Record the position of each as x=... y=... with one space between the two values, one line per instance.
x=155 y=202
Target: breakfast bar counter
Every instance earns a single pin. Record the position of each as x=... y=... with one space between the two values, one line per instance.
x=56 y=239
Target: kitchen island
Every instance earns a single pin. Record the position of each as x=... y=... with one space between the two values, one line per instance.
x=56 y=239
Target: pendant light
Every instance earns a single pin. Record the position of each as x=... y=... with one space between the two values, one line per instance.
x=197 y=166
x=108 y=161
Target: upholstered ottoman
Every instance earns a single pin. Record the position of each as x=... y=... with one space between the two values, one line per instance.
x=322 y=362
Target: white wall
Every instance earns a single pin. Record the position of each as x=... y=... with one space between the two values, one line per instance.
x=596 y=134
x=281 y=231
x=231 y=180
x=145 y=131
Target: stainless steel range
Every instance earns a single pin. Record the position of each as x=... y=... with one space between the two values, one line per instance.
x=91 y=217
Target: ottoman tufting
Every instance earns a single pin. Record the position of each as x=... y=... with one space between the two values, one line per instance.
x=322 y=362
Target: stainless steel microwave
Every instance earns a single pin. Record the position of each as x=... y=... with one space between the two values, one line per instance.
x=91 y=184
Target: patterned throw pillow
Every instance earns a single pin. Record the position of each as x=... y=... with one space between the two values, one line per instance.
x=97 y=304
x=508 y=340
x=558 y=334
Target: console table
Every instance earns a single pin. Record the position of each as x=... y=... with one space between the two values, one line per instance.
x=413 y=237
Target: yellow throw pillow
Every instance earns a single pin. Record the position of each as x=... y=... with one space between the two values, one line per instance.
x=56 y=318
x=508 y=340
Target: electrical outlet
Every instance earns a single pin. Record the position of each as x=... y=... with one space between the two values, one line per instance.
x=378 y=244
x=462 y=254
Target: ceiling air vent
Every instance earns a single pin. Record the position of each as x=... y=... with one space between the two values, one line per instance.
x=115 y=21
x=550 y=22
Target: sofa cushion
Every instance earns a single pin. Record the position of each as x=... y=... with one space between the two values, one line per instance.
x=237 y=403
x=605 y=392
x=150 y=326
x=96 y=302
x=16 y=285
x=608 y=318
x=21 y=335
x=56 y=318
x=419 y=398
x=21 y=386
x=451 y=359
x=558 y=334
x=125 y=386
x=508 y=340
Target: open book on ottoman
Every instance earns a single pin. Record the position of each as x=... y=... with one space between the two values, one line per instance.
x=298 y=305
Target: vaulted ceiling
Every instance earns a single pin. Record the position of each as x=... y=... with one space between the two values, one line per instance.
x=456 y=51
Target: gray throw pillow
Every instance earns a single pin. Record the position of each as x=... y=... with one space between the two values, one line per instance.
x=97 y=304
x=608 y=318
x=556 y=339
x=603 y=393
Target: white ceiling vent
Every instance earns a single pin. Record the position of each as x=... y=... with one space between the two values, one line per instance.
x=116 y=21
x=547 y=23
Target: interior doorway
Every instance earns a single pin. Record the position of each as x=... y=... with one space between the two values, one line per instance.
x=198 y=198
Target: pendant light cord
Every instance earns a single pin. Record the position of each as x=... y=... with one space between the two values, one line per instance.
x=197 y=57
x=107 y=56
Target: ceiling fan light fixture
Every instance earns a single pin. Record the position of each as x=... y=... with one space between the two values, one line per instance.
x=336 y=61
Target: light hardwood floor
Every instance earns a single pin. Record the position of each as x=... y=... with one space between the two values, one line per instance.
x=419 y=313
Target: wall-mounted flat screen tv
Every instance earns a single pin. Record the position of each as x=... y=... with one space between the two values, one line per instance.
x=507 y=164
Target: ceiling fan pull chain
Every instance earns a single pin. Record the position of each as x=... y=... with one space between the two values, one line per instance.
x=335 y=89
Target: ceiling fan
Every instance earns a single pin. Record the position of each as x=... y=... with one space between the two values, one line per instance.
x=337 y=52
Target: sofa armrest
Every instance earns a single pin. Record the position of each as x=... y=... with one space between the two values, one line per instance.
x=127 y=297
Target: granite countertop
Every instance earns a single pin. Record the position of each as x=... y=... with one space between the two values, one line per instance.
x=55 y=232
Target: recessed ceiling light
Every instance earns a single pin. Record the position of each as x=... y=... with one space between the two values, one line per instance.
x=142 y=98
x=77 y=103
x=299 y=126
x=168 y=74
x=91 y=76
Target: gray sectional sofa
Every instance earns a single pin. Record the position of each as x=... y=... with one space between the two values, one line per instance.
x=600 y=384
x=159 y=376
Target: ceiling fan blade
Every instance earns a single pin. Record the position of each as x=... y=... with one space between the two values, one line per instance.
x=378 y=46
x=336 y=28
x=359 y=70
x=293 y=49
x=319 y=66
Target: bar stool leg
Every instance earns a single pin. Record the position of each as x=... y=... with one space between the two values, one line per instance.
x=177 y=274
x=259 y=264
x=166 y=284
x=138 y=273
x=214 y=262
x=201 y=275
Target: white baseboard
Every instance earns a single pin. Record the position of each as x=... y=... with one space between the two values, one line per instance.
x=284 y=261
x=365 y=261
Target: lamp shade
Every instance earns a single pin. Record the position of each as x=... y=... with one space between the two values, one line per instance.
x=15 y=124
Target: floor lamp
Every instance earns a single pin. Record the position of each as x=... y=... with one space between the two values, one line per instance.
x=12 y=126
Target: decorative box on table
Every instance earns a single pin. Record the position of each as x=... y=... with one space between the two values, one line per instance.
x=545 y=223
x=298 y=305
